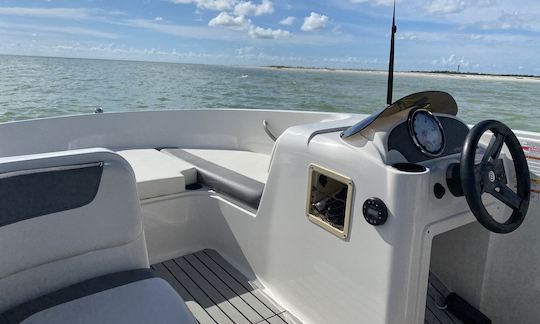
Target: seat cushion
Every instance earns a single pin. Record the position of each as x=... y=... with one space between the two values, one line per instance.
x=158 y=174
x=135 y=296
x=238 y=174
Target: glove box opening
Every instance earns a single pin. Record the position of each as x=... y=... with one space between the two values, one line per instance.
x=329 y=200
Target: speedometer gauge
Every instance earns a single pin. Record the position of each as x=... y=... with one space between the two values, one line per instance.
x=426 y=132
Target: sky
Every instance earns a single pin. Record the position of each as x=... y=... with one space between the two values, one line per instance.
x=489 y=36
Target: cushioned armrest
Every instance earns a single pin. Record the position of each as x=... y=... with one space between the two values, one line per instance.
x=223 y=180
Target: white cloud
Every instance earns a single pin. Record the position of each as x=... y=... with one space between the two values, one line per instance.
x=407 y=36
x=475 y=14
x=314 y=21
x=111 y=50
x=217 y=5
x=375 y=2
x=252 y=54
x=337 y=30
x=288 y=21
x=247 y=8
x=445 y=6
x=486 y=3
x=240 y=22
x=514 y=20
x=352 y=60
x=158 y=19
x=61 y=13
x=196 y=32
x=248 y=50
x=66 y=30
x=437 y=39
x=259 y=32
x=452 y=61
x=226 y=20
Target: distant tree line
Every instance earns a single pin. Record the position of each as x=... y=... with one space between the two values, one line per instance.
x=478 y=73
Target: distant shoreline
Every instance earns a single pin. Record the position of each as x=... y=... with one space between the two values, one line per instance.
x=428 y=74
x=433 y=74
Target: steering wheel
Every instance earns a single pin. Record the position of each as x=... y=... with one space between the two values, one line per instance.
x=489 y=176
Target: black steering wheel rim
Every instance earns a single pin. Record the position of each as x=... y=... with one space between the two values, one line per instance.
x=488 y=177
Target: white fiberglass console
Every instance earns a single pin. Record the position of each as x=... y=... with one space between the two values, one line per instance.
x=412 y=176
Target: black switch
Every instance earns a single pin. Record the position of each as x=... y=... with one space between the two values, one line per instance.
x=375 y=211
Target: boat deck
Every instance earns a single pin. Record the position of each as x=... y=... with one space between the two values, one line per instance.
x=436 y=294
x=216 y=292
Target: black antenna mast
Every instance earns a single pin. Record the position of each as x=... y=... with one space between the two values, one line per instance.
x=391 y=61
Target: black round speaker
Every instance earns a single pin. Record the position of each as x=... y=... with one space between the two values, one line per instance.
x=375 y=211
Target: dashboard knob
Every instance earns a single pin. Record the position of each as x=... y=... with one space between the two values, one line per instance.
x=375 y=211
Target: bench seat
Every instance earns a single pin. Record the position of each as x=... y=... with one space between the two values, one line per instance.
x=238 y=174
x=158 y=174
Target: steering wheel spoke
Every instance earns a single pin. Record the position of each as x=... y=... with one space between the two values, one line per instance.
x=494 y=148
x=507 y=196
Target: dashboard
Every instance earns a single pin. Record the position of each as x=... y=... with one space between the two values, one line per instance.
x=424 y=136
x=416 y=128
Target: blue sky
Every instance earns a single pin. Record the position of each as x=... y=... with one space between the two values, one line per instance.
x=479 y=35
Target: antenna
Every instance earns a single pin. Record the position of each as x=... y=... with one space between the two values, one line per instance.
x=391 y=61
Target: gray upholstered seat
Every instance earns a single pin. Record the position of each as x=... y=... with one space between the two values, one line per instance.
x=71 y=239
x=135 y=296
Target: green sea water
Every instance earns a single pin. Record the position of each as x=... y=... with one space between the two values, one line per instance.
x=33 y=87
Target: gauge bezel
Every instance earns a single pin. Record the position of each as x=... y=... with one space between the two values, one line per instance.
x=419 y=146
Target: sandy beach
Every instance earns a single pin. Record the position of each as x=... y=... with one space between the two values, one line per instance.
x=418 y=74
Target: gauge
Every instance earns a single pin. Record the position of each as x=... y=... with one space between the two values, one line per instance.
x=426 y=132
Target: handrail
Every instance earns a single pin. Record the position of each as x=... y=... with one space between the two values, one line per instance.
x=267 y=130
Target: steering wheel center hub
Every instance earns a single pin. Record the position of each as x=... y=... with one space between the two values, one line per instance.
x=491 y=176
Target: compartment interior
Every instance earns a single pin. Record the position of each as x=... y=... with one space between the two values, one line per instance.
x=329 y=200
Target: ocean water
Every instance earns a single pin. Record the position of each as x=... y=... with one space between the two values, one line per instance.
x=33 y=87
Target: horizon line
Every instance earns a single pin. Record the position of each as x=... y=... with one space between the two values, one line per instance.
x=275 y=66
